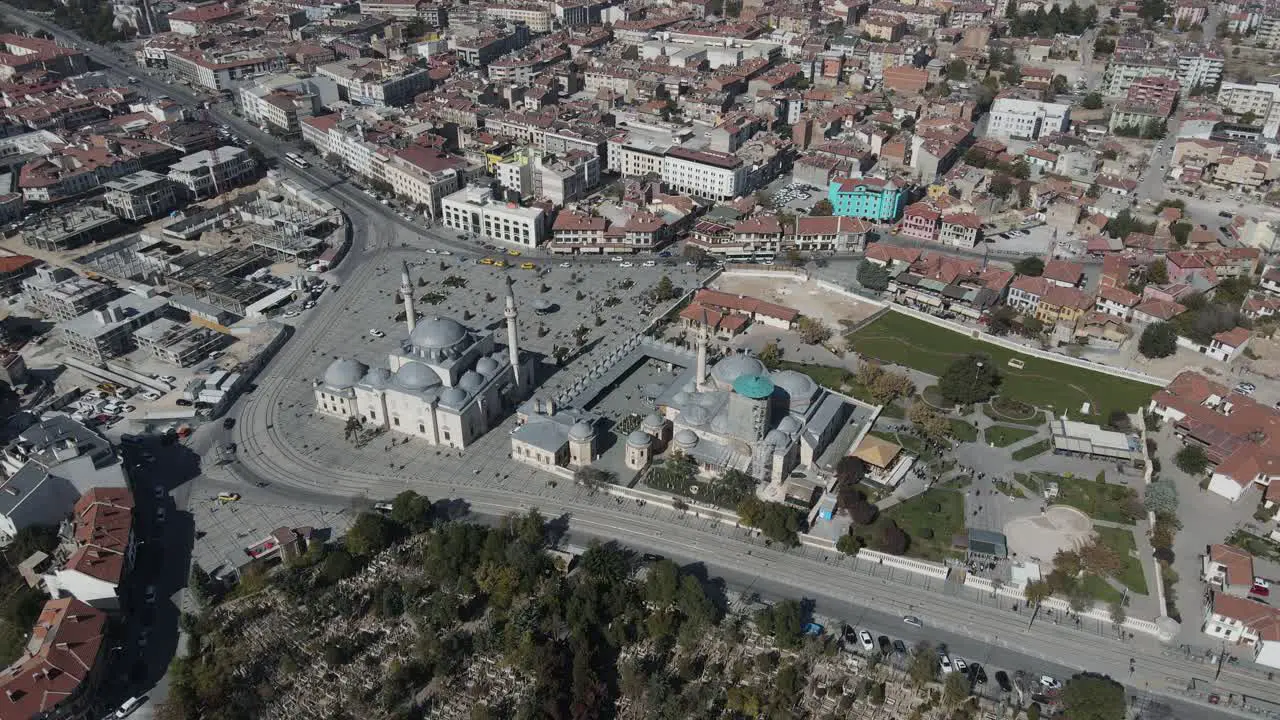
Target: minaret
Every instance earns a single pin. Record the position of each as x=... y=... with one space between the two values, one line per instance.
x=513 y=340
x=701 y=380
x=406 y=294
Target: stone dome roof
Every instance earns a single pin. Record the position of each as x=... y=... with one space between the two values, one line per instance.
x=652 y=421
x=377 y=378
x=415 y=376
x=344 y=373
x=639 y=438
x=798 y=386
x=471 y=381
x=453 y=397
x=789 y=425
x=680 y=398
x=438 y=333
x=486 y=366
x=735 y=366
x=776 y=439
x=686 y=438
x=582 y=431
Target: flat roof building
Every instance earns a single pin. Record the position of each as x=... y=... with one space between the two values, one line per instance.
x=71 y=228
x=60 y=294
x=475 y=210
x=141 y=196
x=107 y=332
x=209 y=173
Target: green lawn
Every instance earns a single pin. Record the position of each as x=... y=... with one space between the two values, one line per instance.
x=1033 y=450
x=1028 y=481
x=893 y=410
x=919 y=519
x=1254 y=544
x=1121 y=541
x=963 y=431
x=1101 y=501
x=1100 y=589
x=1035 y=421
x=1008 y=488
x=1004 y=436
x=904 y=340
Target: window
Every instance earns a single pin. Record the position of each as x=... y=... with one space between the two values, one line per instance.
x=446 y=435
x=422 y=428
x=396 y=421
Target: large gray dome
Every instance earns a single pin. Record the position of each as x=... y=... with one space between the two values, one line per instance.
x=582 y=431
x=735 y=366
x=695 y=415
x=344 y=373
x=652 y=423
x=377 y=378
x=415 y=376
x=486 y=366
x=799 y=387
x=453 y=397
x=686 y=438
x=639 y=439
x=437 y=333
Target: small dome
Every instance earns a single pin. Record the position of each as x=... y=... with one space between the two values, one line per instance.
x=652 y=423
x=680 y=399
x=756 y=387
x=789 y=425
x=686 y=438
x=582 y=431
x=735 y=366
x=344 y=373
x=453 y=397
x=639 y=439
x=471 y=381
x=487 y=366
x=720 y=424
x=377 y=378
x=415 y=376
x=438 y=333
x=776 y=439
x=695 y=415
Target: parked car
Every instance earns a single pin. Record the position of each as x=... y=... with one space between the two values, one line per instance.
x=377 y=333
x=127 y=707
x=945 y=663
x=961 y=666
x=1260 y=591
x=182 y=402
x=149 y=595
x=1002 y=679
x=228 y=423
x=1048 y=682
x=899 y=646
x=912 y=620
x=868 y=645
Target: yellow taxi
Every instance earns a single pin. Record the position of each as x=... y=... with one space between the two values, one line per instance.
x=486 y=261
x=528 y=266
x=513 y=253
x=500 y=263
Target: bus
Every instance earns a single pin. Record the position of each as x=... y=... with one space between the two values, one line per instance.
x=296 y=159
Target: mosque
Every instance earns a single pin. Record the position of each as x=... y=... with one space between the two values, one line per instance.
x=448 y=385
x=735 y=415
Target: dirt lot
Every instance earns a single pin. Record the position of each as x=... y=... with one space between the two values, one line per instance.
x=834 y=309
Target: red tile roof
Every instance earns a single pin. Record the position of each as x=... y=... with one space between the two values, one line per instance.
x=1237 y=563
x=14 y=263
x=1063 y=271
x=65 y=644
x=743 y=303
x=1261 y=619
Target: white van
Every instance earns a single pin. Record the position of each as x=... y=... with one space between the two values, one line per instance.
x=128 y=706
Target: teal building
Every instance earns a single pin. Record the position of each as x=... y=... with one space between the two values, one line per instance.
x=867 y=198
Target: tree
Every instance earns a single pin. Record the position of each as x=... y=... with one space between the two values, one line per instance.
x=665 y=290
x=955 y=690
x=849 y=544
x=1158 y=272
x=893 y=539
x=1192 y=460
x=812 y=331
x=1001 y=320
x=1092 y=101
x=972 y=379
x=771 y=355
x=1117 y=614
x=850 y=471
x=1152 y=10
x=1158 y=340
x=1036 y=592
x=370 y=534
x=957 y=70
x=889 y=386
x=1098 y=558
x=412 y=511
x=1161 y=498
x=1180 y=231
x=934 y=426
x=784 y=621
x=1090 y=696
x=1067 y=562
x=822 y=208
x=1001 y=187
x=924 y=665
x=778 y=522
x=873 y=276
x=1031 y=267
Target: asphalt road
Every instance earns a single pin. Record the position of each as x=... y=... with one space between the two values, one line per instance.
x=1000 y=637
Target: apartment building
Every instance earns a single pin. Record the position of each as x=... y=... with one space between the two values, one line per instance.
x=20 y=54
x=1026 y=119
x=962 y=230
x=475 y=210
x=201 y=19
x=424 y=176
x=371 y=81
x=538 y=17
x=60 y=294
x=210 y=173
x=634 y=154
x=1268 y=34
x=141 y=196
x=399 y=9
x=1160 y=93
x=220 y=70
x=704 y=173
x=1193 y=66
x=61 y=666
x=344 y=138
x=1262 y=100
x=105 y=333
x=874 y=199
x=480 y=50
